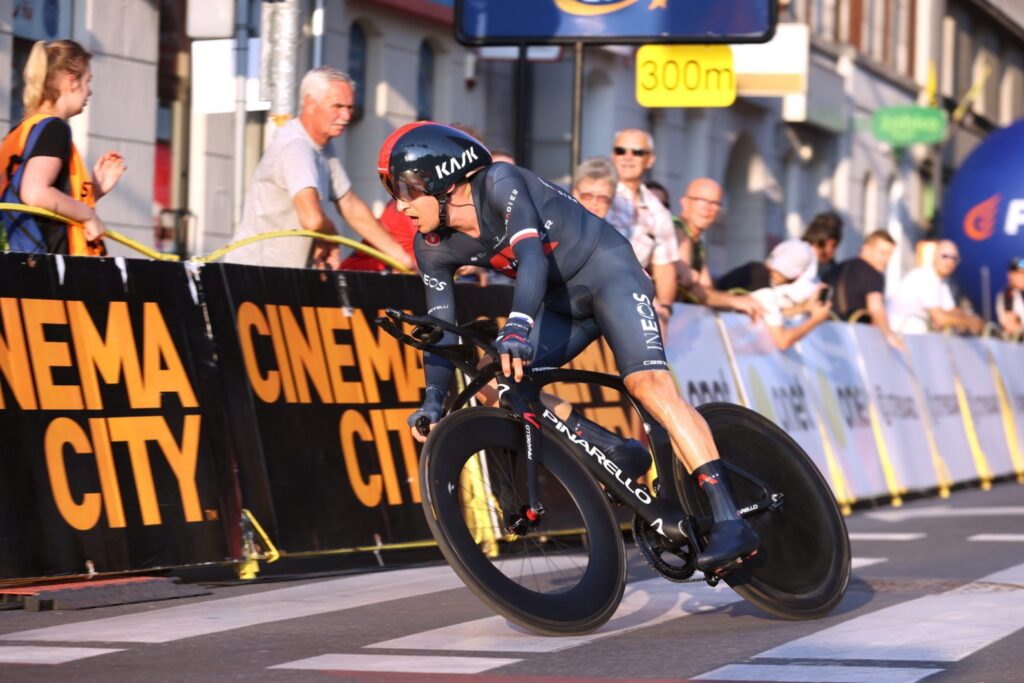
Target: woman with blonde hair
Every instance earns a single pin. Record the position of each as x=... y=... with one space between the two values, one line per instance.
x=40 y=166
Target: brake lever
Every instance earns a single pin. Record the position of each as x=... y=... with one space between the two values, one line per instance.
x=422 y=425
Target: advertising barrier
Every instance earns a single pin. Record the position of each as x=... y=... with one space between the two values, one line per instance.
x=929 y=361
x=777 y=388
x=145 y=404
x=979 y=404
x=113 y=454
x=898 y=417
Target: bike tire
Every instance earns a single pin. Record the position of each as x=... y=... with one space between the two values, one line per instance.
x=538 y=580
x=802 y=568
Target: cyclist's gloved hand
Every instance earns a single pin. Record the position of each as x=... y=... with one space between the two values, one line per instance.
x=514 y=347
x=433 y=404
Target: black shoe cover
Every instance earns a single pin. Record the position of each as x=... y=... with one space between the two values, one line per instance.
x=632 y=458
x=728 y=540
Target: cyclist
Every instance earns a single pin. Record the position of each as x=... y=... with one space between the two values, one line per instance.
x=576 y=279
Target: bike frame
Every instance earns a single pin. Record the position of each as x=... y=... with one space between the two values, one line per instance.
x=665 y=511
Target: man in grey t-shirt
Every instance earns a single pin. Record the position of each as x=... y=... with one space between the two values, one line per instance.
x=297 y=174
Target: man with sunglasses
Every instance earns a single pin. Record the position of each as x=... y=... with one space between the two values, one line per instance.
x=641 y=218
x=924 y=300
x=1010 y=300
x=576 y=279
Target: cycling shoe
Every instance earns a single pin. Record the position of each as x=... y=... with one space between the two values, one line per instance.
x=728 y=542
x=631 y=457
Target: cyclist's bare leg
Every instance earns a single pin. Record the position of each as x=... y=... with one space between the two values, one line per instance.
x=731 y=538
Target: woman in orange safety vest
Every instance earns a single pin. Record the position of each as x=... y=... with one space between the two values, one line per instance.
x=40 y=166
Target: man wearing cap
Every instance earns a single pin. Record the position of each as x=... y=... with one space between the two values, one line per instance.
x=925 y=300
x=775 y=286
x=1010 y=301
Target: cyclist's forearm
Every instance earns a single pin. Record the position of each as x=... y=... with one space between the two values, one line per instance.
x=531 y=284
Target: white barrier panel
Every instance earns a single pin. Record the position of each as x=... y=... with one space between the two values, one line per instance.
x=775 y=386
x=929 y=359
x=899 y=415
x=696 y=351
x=828 y=357
x=1009 y=366
x=971 y=362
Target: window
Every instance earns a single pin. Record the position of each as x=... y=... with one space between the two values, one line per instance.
x=357 y=68
x=425 y=83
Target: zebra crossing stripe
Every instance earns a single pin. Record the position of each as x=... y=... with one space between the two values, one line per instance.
x=38 y=654
x=809 y=673
x=398 y=664
x=883 y=536
x=997 y=538
x=940 y=511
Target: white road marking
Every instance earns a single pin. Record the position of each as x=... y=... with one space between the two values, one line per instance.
x=945 y=511
x=37 y=654
x=809 y=673
x=972 y=617
x=646 y=603
x=215 y=616
x=882 y=536
x=998 y=538
x=859 y=562
x=398 y=664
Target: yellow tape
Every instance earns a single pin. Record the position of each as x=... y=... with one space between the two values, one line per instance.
x=337 y=239
x=1009 y=426
x=891 y=481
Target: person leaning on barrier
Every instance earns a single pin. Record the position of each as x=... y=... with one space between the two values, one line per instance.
x=858 y=285
x=700 y=206
x=297 y=173
x=42 y=166
x=924 y=298
x=778 y=285
x=1010 y=300
x=824 y=234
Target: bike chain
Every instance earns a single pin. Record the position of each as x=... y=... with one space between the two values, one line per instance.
x=647 y=542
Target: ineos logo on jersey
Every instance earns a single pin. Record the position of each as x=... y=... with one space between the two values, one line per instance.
x=648 y=322
x=456 y=164
x=434 y=283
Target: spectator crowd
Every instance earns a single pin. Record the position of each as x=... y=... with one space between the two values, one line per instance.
x=798 y=285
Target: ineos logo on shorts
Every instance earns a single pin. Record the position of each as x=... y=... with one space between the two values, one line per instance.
x=648 y=322
x=434 y=283
x=456 y=164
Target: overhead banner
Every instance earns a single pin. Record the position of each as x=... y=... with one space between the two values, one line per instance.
x=496 y=22
x=900 y=417
x=828 y=359
x=929 y=360
x=776 y=387
x=972 y=364
x=112 y=456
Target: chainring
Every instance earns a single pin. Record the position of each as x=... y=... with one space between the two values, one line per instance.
x=653 y=547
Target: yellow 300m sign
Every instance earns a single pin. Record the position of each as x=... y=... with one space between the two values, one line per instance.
x=685 y=76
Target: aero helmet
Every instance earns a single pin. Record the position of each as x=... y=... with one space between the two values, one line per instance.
x=428 y=158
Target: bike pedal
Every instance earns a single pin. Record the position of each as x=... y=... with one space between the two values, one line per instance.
x=733 y=564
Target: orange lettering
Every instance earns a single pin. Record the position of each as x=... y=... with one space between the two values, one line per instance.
x=368 y=490
x=338 y=356
x=306 y=354
x=281 y=352
x=60 y=433
x=110 y=354
x=387 y=458
x=161 y=363
x=14 y=365
x=250 y=318
x=134 y=431
x=108 y=473
x=47 y=354
x=380 y=358
x=395 y=419
x=182 y=459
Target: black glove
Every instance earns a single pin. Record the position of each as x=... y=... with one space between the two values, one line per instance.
x=514 y=339
x=433 y=404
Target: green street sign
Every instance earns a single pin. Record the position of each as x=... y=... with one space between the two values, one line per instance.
x=909 y=125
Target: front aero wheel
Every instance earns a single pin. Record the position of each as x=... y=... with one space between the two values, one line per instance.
x=564 y=575
x=803 y=566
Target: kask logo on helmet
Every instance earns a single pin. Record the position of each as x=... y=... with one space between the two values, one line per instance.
x=456 y=163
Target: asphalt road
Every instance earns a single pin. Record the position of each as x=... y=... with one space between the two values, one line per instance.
x=937 y=595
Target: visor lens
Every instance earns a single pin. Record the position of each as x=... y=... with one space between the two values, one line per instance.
x=407 y=186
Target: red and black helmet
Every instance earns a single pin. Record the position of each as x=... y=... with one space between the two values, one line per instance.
x=428 y=158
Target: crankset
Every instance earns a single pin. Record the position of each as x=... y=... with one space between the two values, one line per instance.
x=654 y=548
